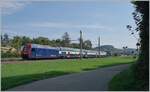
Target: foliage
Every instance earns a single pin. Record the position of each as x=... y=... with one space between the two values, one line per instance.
x=5 y=40
x=141 y=16
x=41 y=40
x=137 y=77
x=9 y=54
x=26 y=40
x=18 y=41
x=87 y=44
x=28 y=71
x=65 y=40
x=75 y=45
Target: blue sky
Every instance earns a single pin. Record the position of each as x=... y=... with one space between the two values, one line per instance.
x=107 y=19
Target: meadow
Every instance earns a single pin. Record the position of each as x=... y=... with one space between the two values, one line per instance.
x=15 y=74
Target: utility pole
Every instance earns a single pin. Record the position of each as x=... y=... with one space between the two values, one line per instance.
x=81 y=44
x=99 y=46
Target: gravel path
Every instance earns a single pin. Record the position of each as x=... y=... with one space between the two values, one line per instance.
x=94 y=80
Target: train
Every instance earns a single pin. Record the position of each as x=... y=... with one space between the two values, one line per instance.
x=37 y=51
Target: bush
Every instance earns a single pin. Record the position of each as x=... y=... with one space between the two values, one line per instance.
x=9 y=54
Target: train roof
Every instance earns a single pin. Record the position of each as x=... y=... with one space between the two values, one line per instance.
x=42 y=46
x=61 y=48
x=69 y=49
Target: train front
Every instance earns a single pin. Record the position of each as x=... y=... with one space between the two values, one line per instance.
x=26 y=51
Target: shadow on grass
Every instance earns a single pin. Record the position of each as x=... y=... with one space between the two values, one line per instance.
x=87 y=69
x=10 y=82
x=102 y=66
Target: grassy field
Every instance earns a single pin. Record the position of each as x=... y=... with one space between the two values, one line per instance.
x=21 y=73
x=125 y=81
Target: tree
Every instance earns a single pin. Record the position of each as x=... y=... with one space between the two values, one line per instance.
x=124 y=49
x=26 y=40
x=5 y=40
x=66 y=40
x=87 y=44
x=141 y=17
x=2 y=40
x=56 y=43
x=41 y=40
x=75 y=45
x=16 y=42
x=53 y=43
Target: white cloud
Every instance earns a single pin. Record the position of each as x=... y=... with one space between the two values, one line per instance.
x=68 y=25
x=11 y=6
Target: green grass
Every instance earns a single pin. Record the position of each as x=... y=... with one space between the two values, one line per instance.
x=122 y=81
x=21 y=73
x=126 y=81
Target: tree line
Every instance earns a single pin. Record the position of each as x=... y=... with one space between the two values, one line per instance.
x=65 y=41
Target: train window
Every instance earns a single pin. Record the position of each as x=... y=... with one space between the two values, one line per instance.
x=63 y=53
x=33 y=49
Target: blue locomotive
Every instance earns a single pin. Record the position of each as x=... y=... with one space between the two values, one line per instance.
x=36 y=51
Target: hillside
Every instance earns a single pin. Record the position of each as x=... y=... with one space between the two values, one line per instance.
x=110 y=49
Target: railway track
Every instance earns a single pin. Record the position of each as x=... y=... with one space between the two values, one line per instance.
x=20 y=60
x=15 y=60
x=11 y=59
